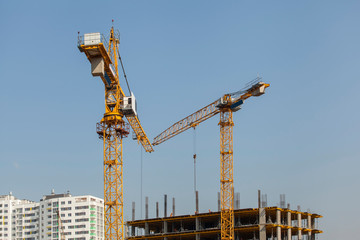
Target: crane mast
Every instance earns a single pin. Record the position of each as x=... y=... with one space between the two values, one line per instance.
x=60 y=226
x=226 y=105
x=226 y=173
x=112 y=128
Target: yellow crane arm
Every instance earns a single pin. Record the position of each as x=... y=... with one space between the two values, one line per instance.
x=190 y=121
x=232 y=100
x=140 y=133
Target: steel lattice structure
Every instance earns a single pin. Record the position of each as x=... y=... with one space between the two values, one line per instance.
x=226 y=174
x=226 y=105
x=112 y=128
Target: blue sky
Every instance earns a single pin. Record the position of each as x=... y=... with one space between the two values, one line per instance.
x=301 y=138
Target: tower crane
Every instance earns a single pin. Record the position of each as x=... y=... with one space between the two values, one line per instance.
x=60 y=226
x=226 y=105
x=103 y=56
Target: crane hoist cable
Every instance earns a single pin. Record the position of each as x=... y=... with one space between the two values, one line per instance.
x=123 y=69
x=194 y=156
x=141 y=182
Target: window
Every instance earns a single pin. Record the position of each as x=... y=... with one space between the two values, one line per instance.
x=30 y=226
x=65 y=208
x=69 y=214
x=80 y=214
x=62 y=215
x=69 y=202
x=82 y=232
x=82 y=207
x=82 y=220
x=6 y=205
x=63 y=202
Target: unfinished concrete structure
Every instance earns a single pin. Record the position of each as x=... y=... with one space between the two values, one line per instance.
x=263 y=223
x=252 y=223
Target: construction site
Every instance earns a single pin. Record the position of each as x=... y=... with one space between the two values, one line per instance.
x=251 y=223
x=229 y=222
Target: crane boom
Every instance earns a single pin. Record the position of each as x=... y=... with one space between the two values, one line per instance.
x=236 y=99
x=140 y=133
x=188 y=122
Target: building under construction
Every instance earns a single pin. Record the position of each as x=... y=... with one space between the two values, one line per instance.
x=228 y=223
x=262 y=223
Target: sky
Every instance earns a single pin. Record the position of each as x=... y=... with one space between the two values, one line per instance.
x=300 y=139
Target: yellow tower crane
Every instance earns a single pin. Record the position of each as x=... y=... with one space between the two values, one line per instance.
x=226 y=105
x=60 y=226
x=103 y=56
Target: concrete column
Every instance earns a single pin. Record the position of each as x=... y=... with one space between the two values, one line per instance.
x=262 y=224
x=146 y=207
x=289 y=224
x=165 y=205
x=219 y=208
x=196 y=202
x=313 y=223
x=197 y=228
x=147 y=232
x=165 y=229
x=300 y=226
x=278 y=222
x=157 y=209
x=133 y=219
x=309 y=225
x=173 y=211
x=259 y=199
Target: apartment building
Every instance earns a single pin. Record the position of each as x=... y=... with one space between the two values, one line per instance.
x=54 y=216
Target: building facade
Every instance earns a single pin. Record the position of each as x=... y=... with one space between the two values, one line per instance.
x=54 y=217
